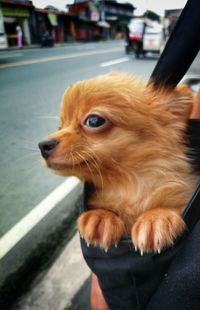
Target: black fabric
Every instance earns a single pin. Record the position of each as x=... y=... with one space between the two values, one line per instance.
x=127 y=279
x=170 y=280
x=194 y=137
x=180 y=287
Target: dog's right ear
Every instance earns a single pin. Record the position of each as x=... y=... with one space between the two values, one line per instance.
x=174 y=103
x=180 y=102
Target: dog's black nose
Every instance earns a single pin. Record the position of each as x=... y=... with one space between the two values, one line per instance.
x=47 y=147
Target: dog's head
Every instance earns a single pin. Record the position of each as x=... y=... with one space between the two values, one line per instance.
x=114 y=122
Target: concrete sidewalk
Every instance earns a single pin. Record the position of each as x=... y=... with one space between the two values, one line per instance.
x=63 y=44
x=57 y=289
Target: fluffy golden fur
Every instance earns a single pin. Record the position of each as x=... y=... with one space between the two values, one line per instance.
x=135 y=159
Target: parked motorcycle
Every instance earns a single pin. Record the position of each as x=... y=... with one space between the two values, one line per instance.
x=47 y=40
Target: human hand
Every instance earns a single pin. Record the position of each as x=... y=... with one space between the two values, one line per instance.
x=97 y=301
x=196 y=106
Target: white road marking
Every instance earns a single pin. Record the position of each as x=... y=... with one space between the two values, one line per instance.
x=17 y=232
x=114 y=62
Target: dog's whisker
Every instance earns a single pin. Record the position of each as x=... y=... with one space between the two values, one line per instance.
x=94 y=163
x=27 y=156
x=32 y=140
x=49 y=117
x=94 y=154
x=87 y=164
x=72 y=157
x=31 y=149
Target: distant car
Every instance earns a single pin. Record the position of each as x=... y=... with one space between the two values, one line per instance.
x=153 y=39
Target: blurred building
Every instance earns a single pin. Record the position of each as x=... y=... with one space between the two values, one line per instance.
x=86 y=20
x=52 y=21
x=170 y=19
x=103 y=18
x=117 y=15
x=17 y=13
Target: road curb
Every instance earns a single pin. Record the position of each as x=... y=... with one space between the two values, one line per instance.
x=58 y=287
x=63 y=44
x=38 y=250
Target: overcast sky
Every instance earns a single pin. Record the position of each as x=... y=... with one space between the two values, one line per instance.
x=157 y=6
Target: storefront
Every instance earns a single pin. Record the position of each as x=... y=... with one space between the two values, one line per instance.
x=52 y=22
x=17 y=15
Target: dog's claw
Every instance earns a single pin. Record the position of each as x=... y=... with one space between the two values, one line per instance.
x=141 y=252
x=88 y=244
x=106 y=250
x=116 y=245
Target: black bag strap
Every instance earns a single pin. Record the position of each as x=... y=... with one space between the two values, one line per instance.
x=179 y=53
x=191 y=214
x=181 y=48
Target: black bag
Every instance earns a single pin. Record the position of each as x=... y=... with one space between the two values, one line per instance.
x=171 y=279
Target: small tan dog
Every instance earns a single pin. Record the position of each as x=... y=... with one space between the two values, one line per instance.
x=128 y=140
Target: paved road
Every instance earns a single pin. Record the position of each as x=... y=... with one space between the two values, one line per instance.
x=31 y=85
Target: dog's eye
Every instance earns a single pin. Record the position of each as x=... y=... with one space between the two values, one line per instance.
x=94 y=121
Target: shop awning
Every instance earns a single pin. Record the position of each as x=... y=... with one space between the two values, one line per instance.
x=11 y=12
x=53 y=19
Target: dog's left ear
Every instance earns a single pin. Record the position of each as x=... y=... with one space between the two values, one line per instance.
x=179 y=102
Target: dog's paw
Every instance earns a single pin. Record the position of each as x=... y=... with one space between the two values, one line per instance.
x=101 y=227
x=156 y=229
